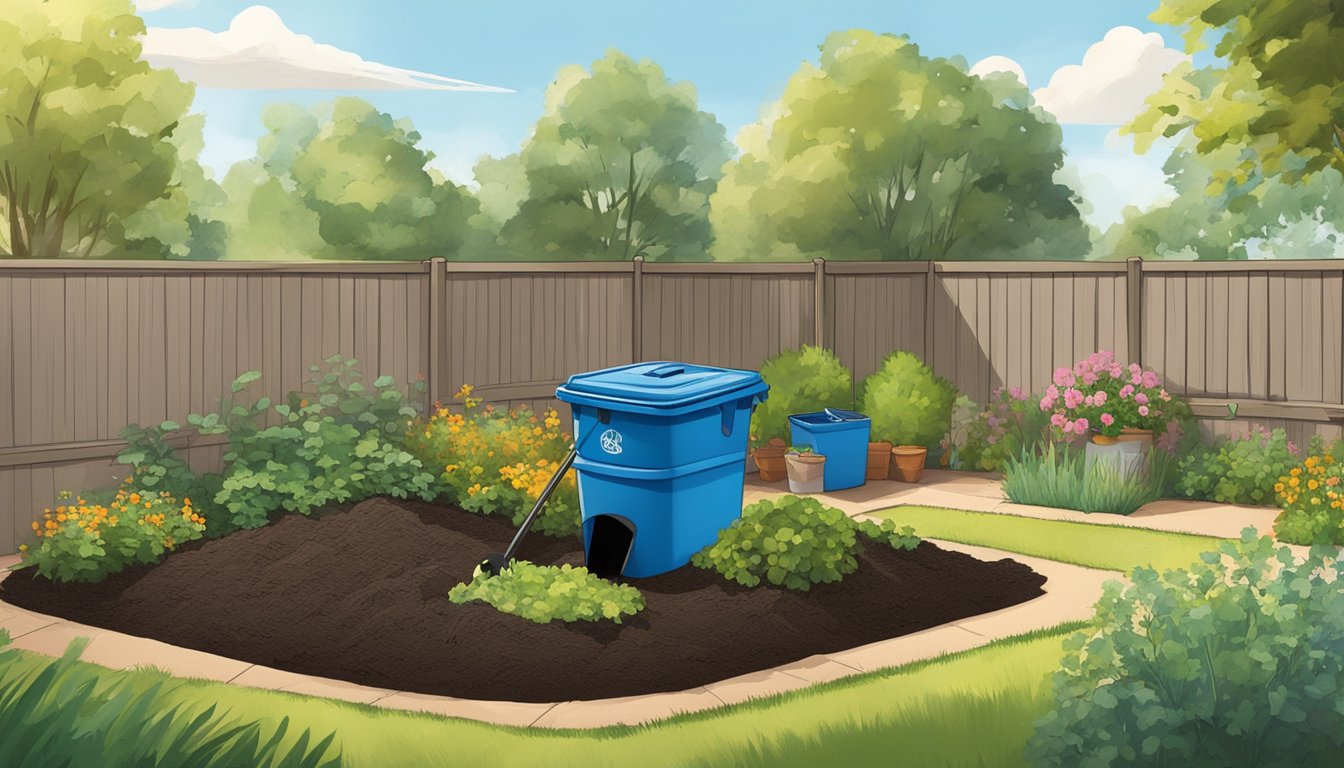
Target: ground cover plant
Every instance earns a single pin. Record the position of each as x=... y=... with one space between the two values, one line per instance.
x=497 y=462
x=82 y=541
x=801 y=380
x=1061 y=477
x=1236 y=661
x=1311 y=499
x=908 y=403
x=546 y=593
x=1238 y=470
x=61 y=712
x=794 y=542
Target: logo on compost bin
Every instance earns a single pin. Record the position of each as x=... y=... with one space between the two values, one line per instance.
x=611 y=441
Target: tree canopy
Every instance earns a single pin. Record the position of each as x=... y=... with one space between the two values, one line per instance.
x=620 y=164
x=343 y=180
x=91 y=137
x=881 y=153
x=1275 y=91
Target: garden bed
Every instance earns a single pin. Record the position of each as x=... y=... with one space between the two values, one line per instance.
x=360 y=594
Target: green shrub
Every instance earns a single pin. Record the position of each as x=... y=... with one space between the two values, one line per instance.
x=794 y=542
x=908 y=403
x=83 y=541
x=1061 y=478
x=66 y=714
x=1238 y=470
x=1311 y=497
x=1238 y=661
x=801 y=380
x=545 y=593
x=498 y=462
x=156 y=466
x=1010 y=423
x=340 y=442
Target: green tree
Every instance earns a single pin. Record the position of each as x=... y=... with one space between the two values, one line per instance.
x=355 y=174
x=1275 y=90
x=87 y=132
x=620 y=164
x=1212 y=220
x=882 y=153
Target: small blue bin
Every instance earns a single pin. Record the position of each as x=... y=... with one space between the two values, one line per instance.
x=662 y=451
x=840 y=436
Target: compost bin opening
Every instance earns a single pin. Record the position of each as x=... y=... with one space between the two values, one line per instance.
x=609 y=546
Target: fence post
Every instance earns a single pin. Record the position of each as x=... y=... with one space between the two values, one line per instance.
x=1134 y=307
x=637 y=312
x=438 y=285
x=819 y=302
x=929 y=277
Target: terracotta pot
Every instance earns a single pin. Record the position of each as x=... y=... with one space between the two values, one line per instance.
x=879 y=461
x=807 y=472
x=1131 y=435
x=770 y=461
x=910 y=462
x=1100 y=439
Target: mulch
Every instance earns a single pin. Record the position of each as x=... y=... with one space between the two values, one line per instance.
x=360 y=594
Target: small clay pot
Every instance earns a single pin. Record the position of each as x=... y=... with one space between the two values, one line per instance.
x=770 y=461
x=910 y=462
x=879 y=461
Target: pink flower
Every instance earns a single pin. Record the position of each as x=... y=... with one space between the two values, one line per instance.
x=1088 y=401
x=1163 y=395
x=1141 y=399
x=1116 y=370
x=1047 y=403
x=1136 y=379
x=1100 y=397
x=1126 y=391
x=1080 y=426
x=1107 y=419
x=1150 y=379
x=991 y=439
x=1058 y=420
x=1089 y=378
x=1052 y=391
x=1063 y=377
x=1072 y=398
x=1143 y=410
x=1017 y=394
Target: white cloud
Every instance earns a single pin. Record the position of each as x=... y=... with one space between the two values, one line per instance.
x=991 y=64
x=1116 y=75
x=1112 y=177
x=258 y=51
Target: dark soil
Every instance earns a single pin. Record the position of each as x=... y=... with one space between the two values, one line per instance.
x=360 y=594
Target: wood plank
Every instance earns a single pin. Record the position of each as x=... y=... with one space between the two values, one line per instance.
x=1305 y=337
x=1238 y=335
x=1258 y=336
x=1062 y=333
x=8 y=404
x=1196 y=335
x=14 y=528
x=1174 y=367
x=1216 y=338
x=1332 y=339
x=1040 y=334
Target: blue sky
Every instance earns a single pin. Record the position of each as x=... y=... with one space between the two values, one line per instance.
x=738 y=54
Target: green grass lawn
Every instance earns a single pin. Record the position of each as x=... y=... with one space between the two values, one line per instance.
x=970 y=709
x=1111 y=547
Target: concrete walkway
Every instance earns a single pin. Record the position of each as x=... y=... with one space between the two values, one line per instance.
x=1070 y=592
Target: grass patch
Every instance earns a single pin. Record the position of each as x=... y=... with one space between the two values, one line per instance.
x=927 y=708
x=1062 y=479
x=1112 y=547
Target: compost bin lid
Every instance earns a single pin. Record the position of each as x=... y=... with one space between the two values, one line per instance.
x=661 y=385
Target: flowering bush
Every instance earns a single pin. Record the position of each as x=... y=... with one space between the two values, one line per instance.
x=1311 y=496
x=1101 y=395
x=1009 y=423
x=1238 y=470
x=87 y=542
x=497 y=462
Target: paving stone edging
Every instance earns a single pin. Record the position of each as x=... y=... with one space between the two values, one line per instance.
x=1070 y=593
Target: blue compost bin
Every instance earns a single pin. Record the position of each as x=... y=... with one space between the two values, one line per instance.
x=840 y=436
x=662 y=448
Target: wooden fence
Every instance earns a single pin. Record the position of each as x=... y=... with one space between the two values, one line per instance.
x=87 y=347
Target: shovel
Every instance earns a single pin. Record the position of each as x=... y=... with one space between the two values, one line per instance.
x=496 y=562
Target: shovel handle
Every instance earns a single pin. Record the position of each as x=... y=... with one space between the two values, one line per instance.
x=536 y=508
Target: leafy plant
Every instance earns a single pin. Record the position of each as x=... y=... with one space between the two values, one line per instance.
x=1238 y=470
x=1237 y=661
x=1311 y=497
x=1061 y=478
x=801 y=381
x=157 y=466
x=1009 y=423
x=346 y=443
x=64 y=713
x=87 y=542
x=498 y=463
x=794 y=542
x=908 y=403
x=546 y=593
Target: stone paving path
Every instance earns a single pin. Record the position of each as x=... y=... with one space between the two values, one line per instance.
x=1070 y=592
